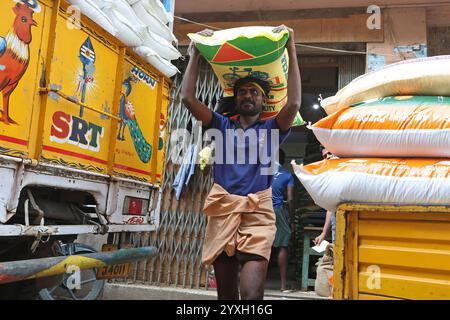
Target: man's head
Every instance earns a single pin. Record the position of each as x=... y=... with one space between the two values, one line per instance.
x=251 y=94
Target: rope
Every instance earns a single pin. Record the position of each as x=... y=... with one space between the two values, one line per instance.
x=298 y=44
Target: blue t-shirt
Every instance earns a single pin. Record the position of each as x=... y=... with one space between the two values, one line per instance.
x=281 y=180
x=242 y=163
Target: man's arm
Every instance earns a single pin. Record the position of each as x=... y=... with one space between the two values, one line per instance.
x=294 y=88
x=199 y=110
x=326 y=227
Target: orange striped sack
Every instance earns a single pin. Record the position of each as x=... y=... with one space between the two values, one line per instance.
x=389 y=127
x=373 y=180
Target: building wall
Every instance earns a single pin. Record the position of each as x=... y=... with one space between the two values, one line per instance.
x=405 y=37
x=438 y=40
x=403 y=34
x=207 y=6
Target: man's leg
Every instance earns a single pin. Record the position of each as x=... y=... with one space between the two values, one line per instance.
x=253 y=278
x=226 y=270
x=282 y=264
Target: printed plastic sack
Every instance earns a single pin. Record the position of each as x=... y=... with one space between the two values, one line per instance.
x=420 y=77
x=249 y=51
x=371 y=180
x=390 y=127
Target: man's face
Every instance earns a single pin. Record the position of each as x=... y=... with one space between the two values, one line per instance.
x=249 y=100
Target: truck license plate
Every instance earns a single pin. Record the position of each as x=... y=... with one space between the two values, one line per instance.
x=117 y=270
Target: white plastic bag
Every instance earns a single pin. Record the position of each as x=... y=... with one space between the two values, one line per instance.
x=93 y=12
x=127 y=33
x=125 y=9
x=155 y=60
x=420 y=77
x=154 y=22
x=162 y=47
x=156 y=7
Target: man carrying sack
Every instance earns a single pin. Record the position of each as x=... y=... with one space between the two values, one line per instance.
x=241 y=220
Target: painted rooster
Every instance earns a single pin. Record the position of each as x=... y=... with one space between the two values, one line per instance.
x=15 y=53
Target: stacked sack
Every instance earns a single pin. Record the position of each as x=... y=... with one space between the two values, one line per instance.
x=390 y=131
x=139 y=24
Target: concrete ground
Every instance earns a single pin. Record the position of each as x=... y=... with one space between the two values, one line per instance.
x=116 y=291
x=121 y=291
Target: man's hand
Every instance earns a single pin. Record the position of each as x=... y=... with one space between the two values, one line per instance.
x=192 y=50
x=206 y=33
x=287 y=114
x=318 y=240
x=281 y=28
x=290 y=30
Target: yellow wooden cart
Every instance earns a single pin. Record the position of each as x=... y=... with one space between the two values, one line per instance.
x=392 y=252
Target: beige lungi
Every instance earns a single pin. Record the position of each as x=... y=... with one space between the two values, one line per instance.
x=243 y=223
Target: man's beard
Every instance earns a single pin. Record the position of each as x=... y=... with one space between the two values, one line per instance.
x=248 y=112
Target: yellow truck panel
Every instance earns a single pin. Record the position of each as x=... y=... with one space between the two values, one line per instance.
x=387 y=252
x=20 y=71
x=82 y=139
x=91 y=104
x=138 y=104
x=84 y=69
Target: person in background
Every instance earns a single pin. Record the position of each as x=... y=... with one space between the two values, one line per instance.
x=330 y=220
x=283 y=184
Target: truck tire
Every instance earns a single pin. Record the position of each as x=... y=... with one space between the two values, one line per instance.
x=90 y=288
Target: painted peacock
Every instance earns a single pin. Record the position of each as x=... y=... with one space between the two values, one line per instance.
x=128 y=116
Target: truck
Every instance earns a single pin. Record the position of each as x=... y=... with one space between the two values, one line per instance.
x=82 y=141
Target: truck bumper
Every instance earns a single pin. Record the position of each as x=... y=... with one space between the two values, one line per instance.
x=37 y=268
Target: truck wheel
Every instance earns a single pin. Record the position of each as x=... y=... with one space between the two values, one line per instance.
x=89 y=289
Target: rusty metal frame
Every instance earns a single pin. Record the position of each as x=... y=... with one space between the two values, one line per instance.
x=67 y=98
x=35 y=152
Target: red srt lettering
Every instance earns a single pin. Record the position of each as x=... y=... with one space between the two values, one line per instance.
x=76 y=131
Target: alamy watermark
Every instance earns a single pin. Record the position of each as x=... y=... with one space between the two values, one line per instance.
x=74 y=20
x=230 y=146
x=374 y=278
x=374 y=21
x=73 y=282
